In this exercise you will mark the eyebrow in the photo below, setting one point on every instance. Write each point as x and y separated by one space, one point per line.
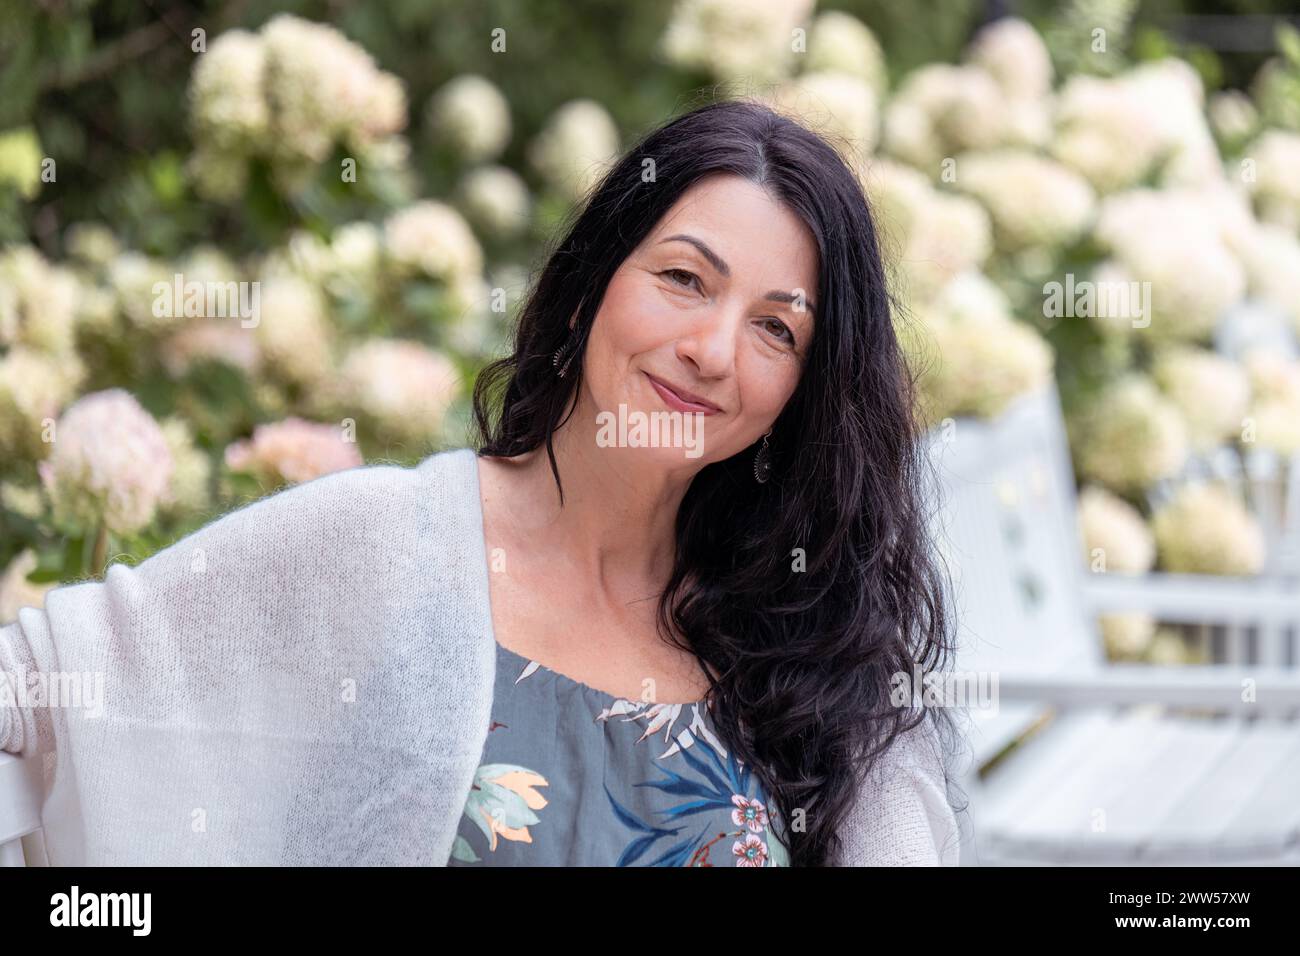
715 260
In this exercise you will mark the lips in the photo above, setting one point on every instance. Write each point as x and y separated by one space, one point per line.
680 399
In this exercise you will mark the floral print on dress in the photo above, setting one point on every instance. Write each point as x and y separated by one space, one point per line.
627 783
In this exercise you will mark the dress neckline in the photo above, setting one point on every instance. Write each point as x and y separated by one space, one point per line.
567 681
473 461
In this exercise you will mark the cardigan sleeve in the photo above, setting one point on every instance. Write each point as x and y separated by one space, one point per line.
230 588
902 816
224 730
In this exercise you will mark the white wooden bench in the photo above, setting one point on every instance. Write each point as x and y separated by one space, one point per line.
1114 764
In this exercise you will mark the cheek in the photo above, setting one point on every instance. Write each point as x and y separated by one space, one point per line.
632 318
766 391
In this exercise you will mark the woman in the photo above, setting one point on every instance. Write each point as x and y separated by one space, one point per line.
444 663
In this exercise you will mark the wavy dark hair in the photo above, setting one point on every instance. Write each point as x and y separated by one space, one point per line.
804 657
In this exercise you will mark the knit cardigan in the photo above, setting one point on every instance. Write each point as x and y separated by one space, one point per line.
308 680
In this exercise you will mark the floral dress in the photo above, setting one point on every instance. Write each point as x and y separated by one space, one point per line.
572 776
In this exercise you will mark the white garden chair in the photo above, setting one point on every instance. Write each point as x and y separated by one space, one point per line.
1113 764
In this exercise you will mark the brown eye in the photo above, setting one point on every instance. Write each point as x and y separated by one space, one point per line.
782 330
676 274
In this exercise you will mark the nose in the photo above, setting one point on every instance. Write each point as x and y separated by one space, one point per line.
710 343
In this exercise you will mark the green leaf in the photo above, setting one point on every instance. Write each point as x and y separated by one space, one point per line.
1288 41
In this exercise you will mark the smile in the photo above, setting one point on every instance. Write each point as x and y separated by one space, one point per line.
677 403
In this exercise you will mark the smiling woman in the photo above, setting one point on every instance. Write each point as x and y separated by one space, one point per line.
740 280
448 662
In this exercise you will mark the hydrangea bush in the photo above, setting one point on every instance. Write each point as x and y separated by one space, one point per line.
372 236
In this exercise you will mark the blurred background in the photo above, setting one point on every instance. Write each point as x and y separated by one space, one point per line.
387 176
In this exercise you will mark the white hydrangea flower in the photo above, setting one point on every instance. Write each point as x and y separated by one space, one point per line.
1170 649
1033 201
974 359
356 252
578 146
110 463
188 491
930 237
1174 101
735 39
474 329
290 93
897 193
92 243
1272 376
1272 261
1116 539
1275 187
952 236
432 238
1127 637
323 88
963 106
228 107
840 42
1131 437
838 106
403 387
294 335
133 278
1176 243
1273 419
1013 53
973 295
1232 114
1212 393
470 113
1103 132
16 591
907 134
1205 529
34 388
38 301
497 199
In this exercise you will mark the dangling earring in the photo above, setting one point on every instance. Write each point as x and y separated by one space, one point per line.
562 370
763 462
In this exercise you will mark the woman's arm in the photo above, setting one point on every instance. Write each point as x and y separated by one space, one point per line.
253 677
902 816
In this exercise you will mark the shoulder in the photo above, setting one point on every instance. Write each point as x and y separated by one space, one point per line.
902 815
368 502
356 530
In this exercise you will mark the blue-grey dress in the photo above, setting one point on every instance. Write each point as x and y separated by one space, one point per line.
572 776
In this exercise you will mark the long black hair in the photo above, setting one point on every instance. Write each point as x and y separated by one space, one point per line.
809 592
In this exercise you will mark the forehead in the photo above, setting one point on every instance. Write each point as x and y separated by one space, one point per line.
756 235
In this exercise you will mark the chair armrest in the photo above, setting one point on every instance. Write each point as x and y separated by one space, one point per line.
20 797
1195 598
1207 686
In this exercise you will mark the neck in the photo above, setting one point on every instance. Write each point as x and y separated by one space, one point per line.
616 527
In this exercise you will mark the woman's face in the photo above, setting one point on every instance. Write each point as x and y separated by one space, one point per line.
717 301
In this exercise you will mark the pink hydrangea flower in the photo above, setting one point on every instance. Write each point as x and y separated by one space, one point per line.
110 463
293 450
